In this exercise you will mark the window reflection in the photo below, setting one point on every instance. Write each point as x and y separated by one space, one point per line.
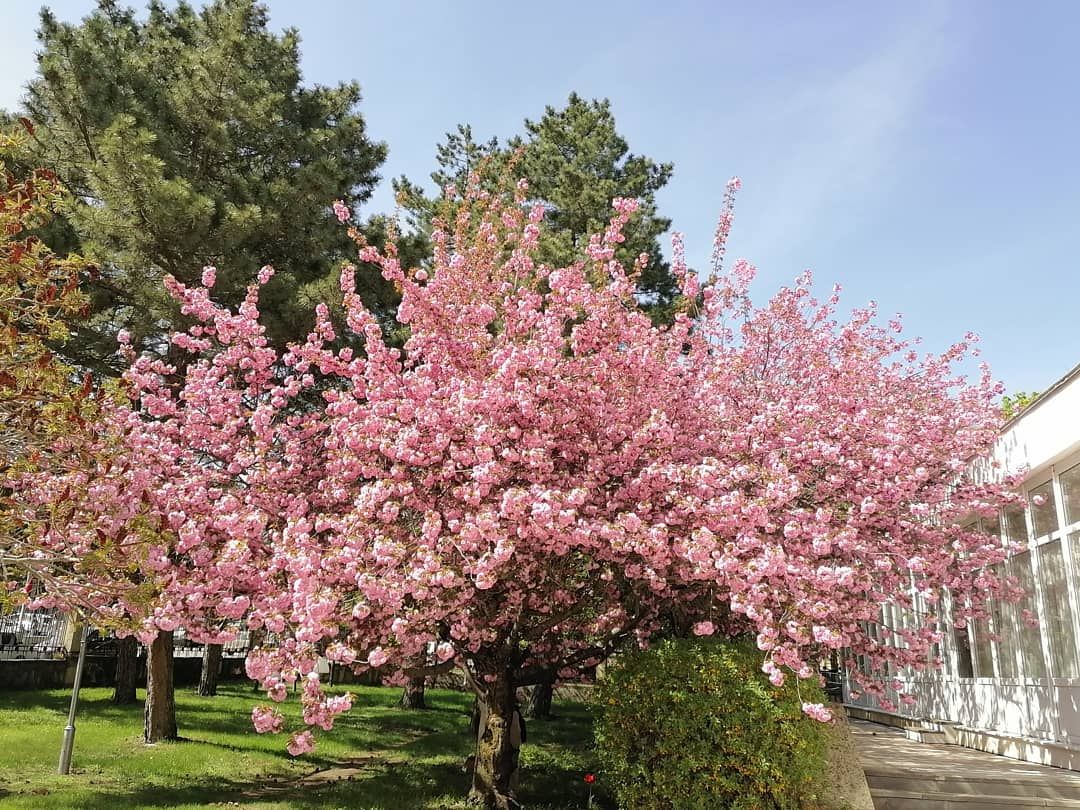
1070 493
1005 626
983 657
1044 509
1016 524
1059 626
1030 637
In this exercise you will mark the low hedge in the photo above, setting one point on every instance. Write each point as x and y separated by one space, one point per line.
695 725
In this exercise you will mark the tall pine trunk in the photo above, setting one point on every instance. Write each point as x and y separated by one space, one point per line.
412 697
539 705
498 745
127 664
211 668
159 719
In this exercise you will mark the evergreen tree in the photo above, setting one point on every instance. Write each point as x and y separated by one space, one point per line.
189 140
576 163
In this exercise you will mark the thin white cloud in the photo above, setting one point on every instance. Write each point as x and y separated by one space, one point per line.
836 137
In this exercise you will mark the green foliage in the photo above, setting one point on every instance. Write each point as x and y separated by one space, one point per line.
695 725
41 403
188 139
1013 404
576 162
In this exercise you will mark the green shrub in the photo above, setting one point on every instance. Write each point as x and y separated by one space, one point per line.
695 725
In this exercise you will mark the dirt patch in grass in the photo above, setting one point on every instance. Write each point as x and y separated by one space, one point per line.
361 765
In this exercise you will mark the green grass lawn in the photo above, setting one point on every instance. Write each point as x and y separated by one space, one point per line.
397 759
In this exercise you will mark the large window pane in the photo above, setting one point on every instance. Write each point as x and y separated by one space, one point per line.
1074 549
983 660
1044 509
965 665
1070 493
1059 626
1004 616
1016 523
1030 637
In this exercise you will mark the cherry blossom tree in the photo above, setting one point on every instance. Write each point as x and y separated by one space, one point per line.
541 476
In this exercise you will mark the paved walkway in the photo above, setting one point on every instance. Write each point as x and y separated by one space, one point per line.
932 776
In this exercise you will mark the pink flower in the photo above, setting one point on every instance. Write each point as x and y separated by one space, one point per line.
301 743
825 635
341 211
123 337
167 623
1038 500
277 691
377 657
704 629
266 719
817 711
209 276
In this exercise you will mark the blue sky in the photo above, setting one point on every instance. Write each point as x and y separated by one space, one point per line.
920 154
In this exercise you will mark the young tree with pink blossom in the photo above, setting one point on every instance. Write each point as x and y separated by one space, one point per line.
541 475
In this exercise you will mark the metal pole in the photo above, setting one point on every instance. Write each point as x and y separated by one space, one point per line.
69 729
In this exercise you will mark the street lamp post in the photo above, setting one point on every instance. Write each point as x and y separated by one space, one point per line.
69 729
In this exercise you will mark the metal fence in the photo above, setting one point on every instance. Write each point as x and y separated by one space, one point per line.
33 633
184 647
29 634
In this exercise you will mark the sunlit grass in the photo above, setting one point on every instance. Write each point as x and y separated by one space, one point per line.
399 759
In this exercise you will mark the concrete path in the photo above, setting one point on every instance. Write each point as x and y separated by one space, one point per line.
908 775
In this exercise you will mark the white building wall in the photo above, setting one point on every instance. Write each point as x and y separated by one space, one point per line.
1046 432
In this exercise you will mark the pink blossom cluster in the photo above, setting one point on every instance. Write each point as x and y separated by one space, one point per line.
817 711
540 474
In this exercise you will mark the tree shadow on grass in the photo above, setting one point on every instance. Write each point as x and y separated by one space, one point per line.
205 792
276 752
23 700
91 706
18 699
393 758
397 785
424 774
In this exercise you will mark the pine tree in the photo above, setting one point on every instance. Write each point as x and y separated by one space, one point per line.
576 163
189 139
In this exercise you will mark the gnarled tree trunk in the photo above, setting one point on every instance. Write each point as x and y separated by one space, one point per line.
412 697
127 664
539 705
159 719
211 668
498 744
474 717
